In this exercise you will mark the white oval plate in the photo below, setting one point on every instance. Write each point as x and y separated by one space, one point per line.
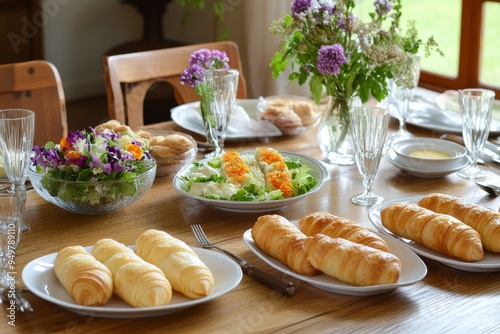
40 279
424 173
413 270
491 261
318 171
241 127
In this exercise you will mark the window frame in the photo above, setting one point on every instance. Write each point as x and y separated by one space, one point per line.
470 53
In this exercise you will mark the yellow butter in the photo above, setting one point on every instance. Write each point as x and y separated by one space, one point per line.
429 154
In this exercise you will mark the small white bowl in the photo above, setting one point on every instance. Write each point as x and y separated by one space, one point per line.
429 153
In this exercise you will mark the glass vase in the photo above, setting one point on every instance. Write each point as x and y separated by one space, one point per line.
334 134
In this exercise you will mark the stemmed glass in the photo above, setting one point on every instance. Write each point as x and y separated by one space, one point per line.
221 88
400 97
17 128
369 130
476 109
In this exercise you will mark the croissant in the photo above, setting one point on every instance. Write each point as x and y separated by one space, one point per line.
485 221
441 233
87 280
137 282
180 264
279 238
351 262
337 227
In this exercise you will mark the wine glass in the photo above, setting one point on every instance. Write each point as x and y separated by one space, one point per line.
17 129
400 97
221 89
476 109
369 129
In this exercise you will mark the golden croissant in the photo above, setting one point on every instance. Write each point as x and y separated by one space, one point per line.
136 281
183 268
87 280
279 238
485 221
337 227
439 232
351 262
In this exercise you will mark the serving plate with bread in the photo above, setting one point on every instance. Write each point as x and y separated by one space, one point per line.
334 254
40 278
243 124
473 254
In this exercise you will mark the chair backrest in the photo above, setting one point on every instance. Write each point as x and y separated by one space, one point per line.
36 85
129 76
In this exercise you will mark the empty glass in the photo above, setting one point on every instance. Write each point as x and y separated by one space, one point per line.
221 89
369 130
400 98
11 211
17 129
476 109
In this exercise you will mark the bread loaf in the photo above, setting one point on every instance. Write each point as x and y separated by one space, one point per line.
279 238
439 232
351 262
87 280
485 221
182 267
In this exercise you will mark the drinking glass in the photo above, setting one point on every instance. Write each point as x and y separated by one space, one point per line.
221 88
476 109
11 211
17 129
400 98
369 130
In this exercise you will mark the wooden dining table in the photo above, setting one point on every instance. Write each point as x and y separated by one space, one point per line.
446 300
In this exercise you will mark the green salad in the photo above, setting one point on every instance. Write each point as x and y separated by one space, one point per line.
263 176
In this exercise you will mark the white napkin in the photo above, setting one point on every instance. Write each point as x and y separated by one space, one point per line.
242 125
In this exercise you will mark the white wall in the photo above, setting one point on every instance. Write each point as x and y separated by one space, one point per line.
79 33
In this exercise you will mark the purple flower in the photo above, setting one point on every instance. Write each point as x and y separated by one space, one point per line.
382 7
330 58
193 75
200 61
344 23
300 6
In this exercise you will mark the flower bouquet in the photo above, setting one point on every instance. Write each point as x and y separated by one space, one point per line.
341 56
93 171
209 73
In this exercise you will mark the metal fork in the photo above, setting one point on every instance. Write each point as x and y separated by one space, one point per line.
285 287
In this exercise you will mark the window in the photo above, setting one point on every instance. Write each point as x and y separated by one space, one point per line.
467 31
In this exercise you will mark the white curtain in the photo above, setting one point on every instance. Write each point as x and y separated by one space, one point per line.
261 46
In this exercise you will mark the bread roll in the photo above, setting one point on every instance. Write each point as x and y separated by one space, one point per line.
439 232
337 227
279 238
351 262
183 268
485 221
137 282
87 280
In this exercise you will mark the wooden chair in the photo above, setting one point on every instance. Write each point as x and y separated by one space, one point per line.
129 76
36 85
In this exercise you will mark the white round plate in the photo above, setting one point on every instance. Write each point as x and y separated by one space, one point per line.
243 126
413 270
491 261
424 173
40 279
318 171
